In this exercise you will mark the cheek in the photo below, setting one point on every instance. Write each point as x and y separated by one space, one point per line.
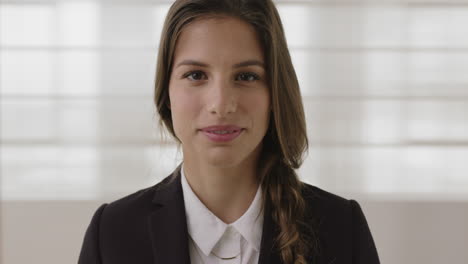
263 101
183 106
259 106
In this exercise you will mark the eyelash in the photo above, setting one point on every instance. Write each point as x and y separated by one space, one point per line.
250 74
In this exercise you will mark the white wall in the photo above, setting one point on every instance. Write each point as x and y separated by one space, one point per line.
385 88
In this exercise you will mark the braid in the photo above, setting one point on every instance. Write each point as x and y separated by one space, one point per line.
283 190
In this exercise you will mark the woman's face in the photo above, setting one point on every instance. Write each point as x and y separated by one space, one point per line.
218 92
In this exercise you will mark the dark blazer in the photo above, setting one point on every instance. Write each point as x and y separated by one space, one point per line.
149 227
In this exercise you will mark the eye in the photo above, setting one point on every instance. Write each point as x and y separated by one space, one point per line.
194 75
248 76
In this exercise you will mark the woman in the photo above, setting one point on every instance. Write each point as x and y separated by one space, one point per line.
228 93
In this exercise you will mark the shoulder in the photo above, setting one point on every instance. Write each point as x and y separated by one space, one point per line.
119 225
326 205
340 225
139 201
314 192
130 210
329 214
319 199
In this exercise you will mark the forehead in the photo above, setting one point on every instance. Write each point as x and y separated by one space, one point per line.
218 39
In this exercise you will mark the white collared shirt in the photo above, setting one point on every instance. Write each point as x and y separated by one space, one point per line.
210 236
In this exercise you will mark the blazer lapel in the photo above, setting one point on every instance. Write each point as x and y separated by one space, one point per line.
168 224
268 252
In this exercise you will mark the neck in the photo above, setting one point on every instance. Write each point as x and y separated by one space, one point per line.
226 192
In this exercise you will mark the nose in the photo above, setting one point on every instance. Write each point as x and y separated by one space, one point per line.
222 98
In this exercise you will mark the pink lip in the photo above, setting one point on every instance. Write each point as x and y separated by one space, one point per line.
209 132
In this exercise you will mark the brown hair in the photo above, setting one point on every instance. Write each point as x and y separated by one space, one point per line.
286 139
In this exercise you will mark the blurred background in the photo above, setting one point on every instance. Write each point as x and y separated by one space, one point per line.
385 87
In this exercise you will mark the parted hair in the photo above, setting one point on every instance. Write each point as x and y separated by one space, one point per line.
285 142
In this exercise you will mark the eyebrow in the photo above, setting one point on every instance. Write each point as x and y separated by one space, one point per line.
237 65
249 63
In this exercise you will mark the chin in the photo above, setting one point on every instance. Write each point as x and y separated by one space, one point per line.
231 157
223 160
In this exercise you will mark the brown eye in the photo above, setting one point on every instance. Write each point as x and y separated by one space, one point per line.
194 75
248 76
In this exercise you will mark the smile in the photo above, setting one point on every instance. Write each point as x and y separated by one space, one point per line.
222 133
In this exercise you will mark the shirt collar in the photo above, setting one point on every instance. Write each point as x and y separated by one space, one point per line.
206 229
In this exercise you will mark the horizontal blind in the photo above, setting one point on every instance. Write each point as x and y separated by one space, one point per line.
384 86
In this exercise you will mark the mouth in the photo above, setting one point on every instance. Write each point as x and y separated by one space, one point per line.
222 129
222 133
